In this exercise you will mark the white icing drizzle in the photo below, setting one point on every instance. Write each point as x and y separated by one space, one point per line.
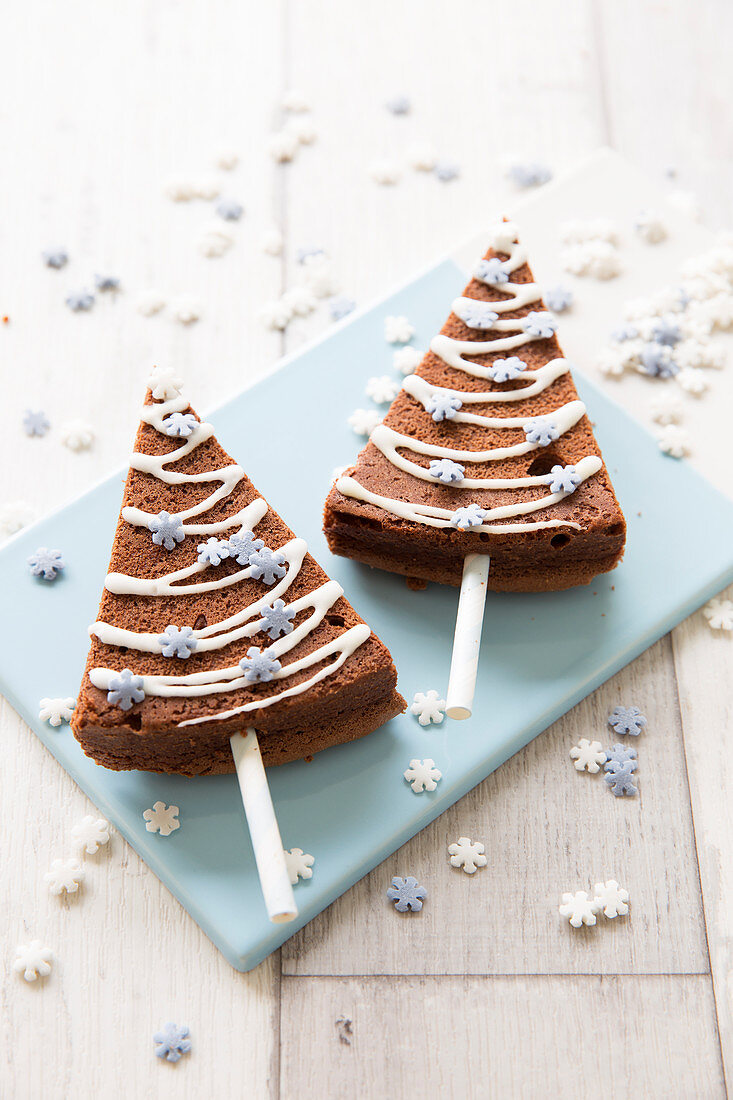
451 351
245 622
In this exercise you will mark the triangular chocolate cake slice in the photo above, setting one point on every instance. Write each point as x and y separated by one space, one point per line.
487 449
214 618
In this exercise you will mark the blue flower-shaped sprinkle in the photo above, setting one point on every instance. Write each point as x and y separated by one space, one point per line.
446 170
340 307
627 720
229 209
443 406
167 530
624 332
171 1042
258 666
180 425
657 361
476 314
35 423
309 252
125 689
267 566
46 563
559 298
541 431
564 479
620 779
55 257
539 324
470 516
106 283
178 642
406 894
665 330
445 470
79 300
398 105
213 551
530 174
506 370
278 619
618 757
492 271
242 546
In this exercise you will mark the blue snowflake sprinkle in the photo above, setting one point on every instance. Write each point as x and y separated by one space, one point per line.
35 423
79 300
506 370
657 361
55 257
398 105
167 530
442 405
564 479
624 332
406 894
46 563
620 779
177 642
445 470
309 252
470 516
106 283
278 619
125 689
180 424
627 720
541 431
559 298
618 757
258 666
530 174
213 551
683 297
492 271
446 170
171 1042
266 566
665 330
340 308
475 314
242 546
542 325
229 209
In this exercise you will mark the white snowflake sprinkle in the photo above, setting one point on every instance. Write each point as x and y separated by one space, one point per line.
422 156
299 864
206 187
295 101
56 711
596 258
666 409
227 159
319 276
282 146
150 302
610 899
65 876
692 381
303 130
91 833
407 360
162 819
685 202
276 314
719 613
77 435
673 440
612 362
694 354
14 516
213 240
382 390
33 960
164 383
588 755
364 421
299 300
186 309
422 775
272 241
428 707
398 330
651 227
468 854
179 189
579 908
385 172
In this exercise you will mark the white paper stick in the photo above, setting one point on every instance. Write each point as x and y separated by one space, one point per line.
263 828
467 639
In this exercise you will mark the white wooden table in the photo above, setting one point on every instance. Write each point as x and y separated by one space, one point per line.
100 104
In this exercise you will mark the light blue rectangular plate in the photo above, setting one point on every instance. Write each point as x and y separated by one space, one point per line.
351 807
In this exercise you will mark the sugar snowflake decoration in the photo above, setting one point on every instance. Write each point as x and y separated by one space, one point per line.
14 516
295 101
619 757
444 469
506 370
364 421
443 405
494 272
651 227
272 242
398 330
79 301
229 209
541 431
300 300
299 865
666 330
422 775
309 252
619 778
77 435
341 307
214 240
242 546
667 409
278 619
595 258
529 173
611 899
428 707
693 381
56 711
588 755
406 360
385 172
258 666
656 361
627 720
719 614
171 1042
91 833
107 284
33 960
467 854
302 129
186 309
65 876
579 908
383 390
150 302
179 189
55 257
282 146
125 689
470 516
539 324
398 105
422 156
167 530
564 479
177 642
266 565
162 819
446 170
46 563
475 314
406 894
164 383
180 425
612 362
559 298
35 423
319 276
213 552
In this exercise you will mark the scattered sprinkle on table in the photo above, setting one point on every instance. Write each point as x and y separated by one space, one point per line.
65 876
171 1042
162 819
406 894
398 330
619 778
150 302
719 613
529 173
422 775
651 227
15 515
619 755
90 833
229 209
383 390
467 854
56 711
341 307
627 720
33 960
79 301
364 421
611 899
673 441
398 105
227 159
406 360
35 423
428 707
385 172
214 241
282 146
186 309
77 435
559 298
299 865
595 258
446 170
56 258
588 755
422 156
272 241
578 908
295 101
106 283
46 563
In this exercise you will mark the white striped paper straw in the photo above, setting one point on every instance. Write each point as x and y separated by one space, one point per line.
263 828
467 638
